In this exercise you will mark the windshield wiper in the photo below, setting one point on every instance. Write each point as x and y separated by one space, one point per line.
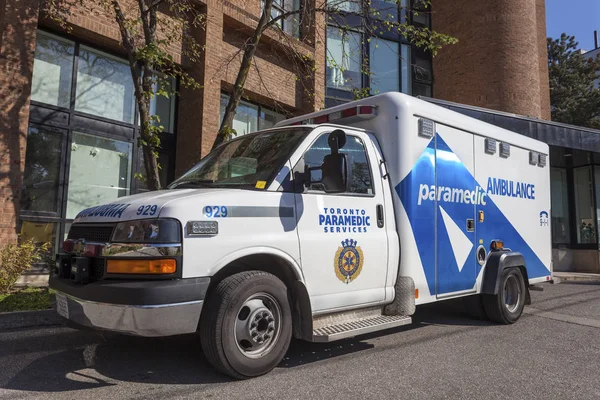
195 183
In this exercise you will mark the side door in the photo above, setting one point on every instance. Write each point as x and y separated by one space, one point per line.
344 253
456 200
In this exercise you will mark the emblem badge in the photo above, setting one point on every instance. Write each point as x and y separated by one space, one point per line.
348 261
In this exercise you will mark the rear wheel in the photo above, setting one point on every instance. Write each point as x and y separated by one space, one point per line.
247 324
507 306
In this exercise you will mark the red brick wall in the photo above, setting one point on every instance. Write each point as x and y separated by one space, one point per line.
18 25
273 80
498 62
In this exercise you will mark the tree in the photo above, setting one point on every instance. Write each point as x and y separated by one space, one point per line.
148 28
574 98
373 21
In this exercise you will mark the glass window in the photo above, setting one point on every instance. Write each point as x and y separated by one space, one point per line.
560 205
558 156
359 173
42 170
406 69
584 205
291 24
104 86
384 65
419 89
246 116
422 67
99 172
345 6
421 13
52 70
344 59
252 161
164 107
269 118
385 9
41 232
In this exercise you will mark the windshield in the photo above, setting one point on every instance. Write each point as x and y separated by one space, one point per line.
250 161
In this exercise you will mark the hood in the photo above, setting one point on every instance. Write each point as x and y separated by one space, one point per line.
139 206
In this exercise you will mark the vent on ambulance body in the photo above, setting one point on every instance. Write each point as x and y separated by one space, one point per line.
348 115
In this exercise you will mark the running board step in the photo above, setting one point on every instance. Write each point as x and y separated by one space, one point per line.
360 327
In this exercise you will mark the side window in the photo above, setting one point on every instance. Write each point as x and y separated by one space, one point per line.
359 173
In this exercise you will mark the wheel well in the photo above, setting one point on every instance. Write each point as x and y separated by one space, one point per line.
297 293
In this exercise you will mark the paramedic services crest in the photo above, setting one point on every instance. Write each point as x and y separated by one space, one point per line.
348 261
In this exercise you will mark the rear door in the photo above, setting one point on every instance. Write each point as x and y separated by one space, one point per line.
456 197
344 252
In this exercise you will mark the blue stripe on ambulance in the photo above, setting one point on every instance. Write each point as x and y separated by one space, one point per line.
452 173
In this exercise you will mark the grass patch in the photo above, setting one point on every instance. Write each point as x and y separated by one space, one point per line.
27 299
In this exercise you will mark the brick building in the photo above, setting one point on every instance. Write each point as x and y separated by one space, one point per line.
68 121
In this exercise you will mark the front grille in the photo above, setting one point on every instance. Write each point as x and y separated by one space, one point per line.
97 269
90 233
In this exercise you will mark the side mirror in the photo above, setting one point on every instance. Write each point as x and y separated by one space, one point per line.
334 169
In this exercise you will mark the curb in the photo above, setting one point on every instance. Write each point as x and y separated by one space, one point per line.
29 319
593 279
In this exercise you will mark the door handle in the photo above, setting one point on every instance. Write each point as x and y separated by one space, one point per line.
379 216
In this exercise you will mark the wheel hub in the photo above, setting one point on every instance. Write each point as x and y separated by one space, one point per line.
257 325
512 294
262 325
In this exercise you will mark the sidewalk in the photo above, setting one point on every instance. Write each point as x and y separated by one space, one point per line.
576 276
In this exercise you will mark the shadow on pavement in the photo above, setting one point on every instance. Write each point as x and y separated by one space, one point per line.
450 313
94 361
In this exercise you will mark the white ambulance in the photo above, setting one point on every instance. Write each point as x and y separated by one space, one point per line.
327 226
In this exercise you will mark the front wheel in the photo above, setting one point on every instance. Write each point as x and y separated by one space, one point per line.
507 306
246 326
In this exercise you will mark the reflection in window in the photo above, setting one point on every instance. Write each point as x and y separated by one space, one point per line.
164 107
584 205
384 65
40 232
52 70
269 118
290 24
385 9
560 206
248 119
344 59
406 69
99 172
359 174
42 170
104 86
353 6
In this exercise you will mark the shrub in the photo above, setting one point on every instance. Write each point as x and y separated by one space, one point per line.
18 258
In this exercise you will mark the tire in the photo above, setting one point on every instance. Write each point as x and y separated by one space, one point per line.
246 326
507 306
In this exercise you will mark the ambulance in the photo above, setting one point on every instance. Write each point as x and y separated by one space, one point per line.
327 226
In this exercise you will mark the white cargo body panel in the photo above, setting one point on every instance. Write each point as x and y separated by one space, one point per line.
454 192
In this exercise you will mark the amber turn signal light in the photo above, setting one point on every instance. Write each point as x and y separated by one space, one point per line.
497 245
148 267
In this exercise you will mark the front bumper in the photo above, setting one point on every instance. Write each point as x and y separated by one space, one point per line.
142 308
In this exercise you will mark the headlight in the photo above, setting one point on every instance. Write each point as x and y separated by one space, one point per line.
148 231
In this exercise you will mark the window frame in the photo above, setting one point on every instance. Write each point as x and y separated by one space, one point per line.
354 23
67 120
260 109
300 164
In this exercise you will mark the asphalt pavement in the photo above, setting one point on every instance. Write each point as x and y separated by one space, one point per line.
553 352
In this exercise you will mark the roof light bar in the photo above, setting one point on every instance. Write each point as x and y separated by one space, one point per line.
348 115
